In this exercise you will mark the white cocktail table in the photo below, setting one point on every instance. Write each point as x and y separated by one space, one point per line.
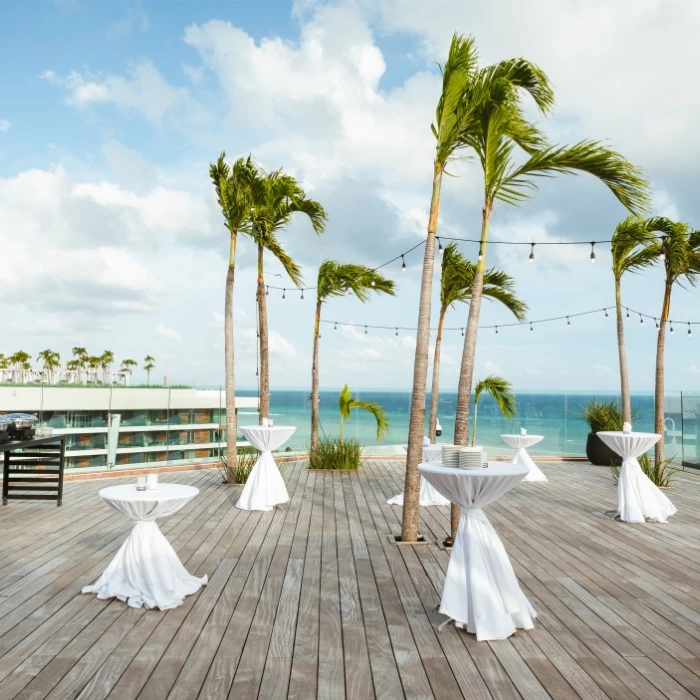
481 591
265 487
428 495
146 571
638 499
521 443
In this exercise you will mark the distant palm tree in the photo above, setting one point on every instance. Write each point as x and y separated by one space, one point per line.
51 362
232 186
452 119
347 403
127 367
337 280
20 362
148 364
106 360
275 198
456 284
81 355
633 249
499 129
74 366
4 364
501 391
680 248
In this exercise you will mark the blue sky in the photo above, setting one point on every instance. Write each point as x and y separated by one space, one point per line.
109 121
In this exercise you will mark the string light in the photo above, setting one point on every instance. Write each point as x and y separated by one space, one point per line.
606 313
531 328
662 254
481 252
403 264
302 295
267 292
284 293
532 253
373 283
671 327
365 330
568 321
397 332
462 332
641 320
592 251
656 322
439 246
496 330
335 328
690 333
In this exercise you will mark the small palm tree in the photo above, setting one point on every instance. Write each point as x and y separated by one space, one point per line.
128 366
275 198
81 355
74 366
21 365
680 248
231 184
51 362
94 362
149 363
338 280
347 403
106 360
456 285
633 249
500 391
4 364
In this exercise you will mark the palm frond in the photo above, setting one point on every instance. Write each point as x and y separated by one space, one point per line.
337 280
377 411
344 402
291 267
500 390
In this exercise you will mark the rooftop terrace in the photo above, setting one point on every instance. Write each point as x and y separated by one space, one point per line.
313 600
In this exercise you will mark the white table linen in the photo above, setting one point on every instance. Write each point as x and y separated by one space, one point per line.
638 498
481 591
265 487
520 443
428 495
146 571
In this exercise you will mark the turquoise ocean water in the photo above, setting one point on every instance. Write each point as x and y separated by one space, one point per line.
557 416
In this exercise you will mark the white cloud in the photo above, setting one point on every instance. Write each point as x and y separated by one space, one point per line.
166 332
4 125
490 367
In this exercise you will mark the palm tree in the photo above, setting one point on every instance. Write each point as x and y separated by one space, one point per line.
81 355
275 198
456 283
498 130
4 364
51 362
127 367
20 363
633 249
232 186
452 118
94 362
347 403
149 363
74 366
680 248
502 393
337 280
106 359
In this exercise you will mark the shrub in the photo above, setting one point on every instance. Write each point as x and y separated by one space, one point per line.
660 474
602 415
334 453
241 471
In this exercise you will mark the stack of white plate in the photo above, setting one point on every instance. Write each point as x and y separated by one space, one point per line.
450 455
471 458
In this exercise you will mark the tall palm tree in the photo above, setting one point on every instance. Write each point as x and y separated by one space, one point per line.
337 280
94 362
501 391
21 365
633 249
106 360
4 364
452 119
275 198
680 248
149 363
456 284
81 355
499 130
347 403
51 362
128 366
231 184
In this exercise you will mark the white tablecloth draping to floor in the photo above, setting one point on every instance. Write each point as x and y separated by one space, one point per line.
428 495
521 443
481 591
265 487
637 497
146 571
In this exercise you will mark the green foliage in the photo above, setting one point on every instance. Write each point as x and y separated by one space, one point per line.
337 280
335 453
634 244
347 402
500 390
239 473
660 474
602 415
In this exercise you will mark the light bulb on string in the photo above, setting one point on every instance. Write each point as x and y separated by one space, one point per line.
690 333
606 313
531 328
403 264
592 252
662 254
284 293
481 253
496 330
462 332
439 246
628 313
365 330
568 321
373 283
397 332
302 295
335 327
671 322
656 322
532 253
641 320
267 291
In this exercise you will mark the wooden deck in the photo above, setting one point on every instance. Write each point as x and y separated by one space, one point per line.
314 601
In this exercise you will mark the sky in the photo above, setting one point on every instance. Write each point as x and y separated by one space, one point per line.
110 113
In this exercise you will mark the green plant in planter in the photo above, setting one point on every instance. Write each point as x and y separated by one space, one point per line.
239 473
602 415
660 474
334 453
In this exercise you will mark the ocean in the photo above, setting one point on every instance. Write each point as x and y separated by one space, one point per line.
557 416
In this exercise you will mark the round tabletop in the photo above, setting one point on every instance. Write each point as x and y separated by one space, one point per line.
163 492
494 469
520 440
628 445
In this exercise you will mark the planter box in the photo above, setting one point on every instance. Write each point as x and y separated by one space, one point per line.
600 454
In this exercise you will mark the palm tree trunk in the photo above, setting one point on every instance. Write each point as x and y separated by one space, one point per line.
416 426
659 383
622 351
264 407
435 389
466 372
231 427
476 410
314 379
